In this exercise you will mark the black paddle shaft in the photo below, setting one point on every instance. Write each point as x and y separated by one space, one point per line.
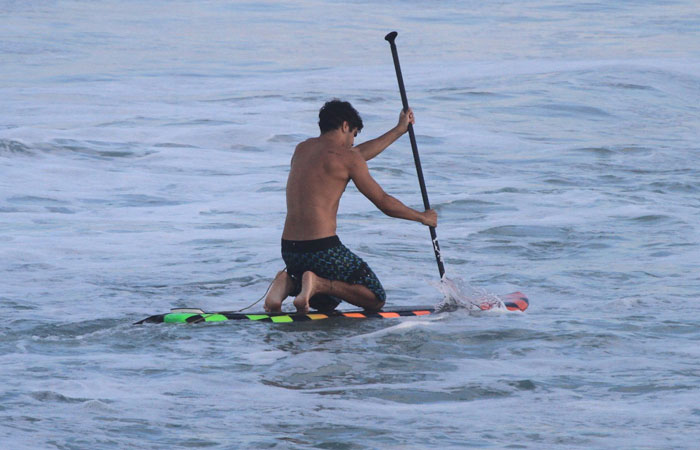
391 37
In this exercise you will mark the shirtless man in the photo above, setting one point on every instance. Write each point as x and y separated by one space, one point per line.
319 268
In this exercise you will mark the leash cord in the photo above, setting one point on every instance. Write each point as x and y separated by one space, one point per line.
260 299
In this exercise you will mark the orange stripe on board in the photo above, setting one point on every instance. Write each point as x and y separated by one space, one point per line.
389 314
355 315
421 313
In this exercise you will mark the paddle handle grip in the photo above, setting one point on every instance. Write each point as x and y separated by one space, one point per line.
391 38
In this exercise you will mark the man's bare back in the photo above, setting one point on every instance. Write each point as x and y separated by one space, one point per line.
317 179
320 171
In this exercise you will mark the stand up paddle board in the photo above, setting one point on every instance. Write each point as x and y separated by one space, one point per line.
516 301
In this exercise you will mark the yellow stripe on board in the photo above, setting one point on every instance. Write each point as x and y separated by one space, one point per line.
317 316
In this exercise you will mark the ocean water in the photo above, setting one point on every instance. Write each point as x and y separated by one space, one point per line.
144 148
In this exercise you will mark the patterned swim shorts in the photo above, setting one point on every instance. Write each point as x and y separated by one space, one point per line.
330 259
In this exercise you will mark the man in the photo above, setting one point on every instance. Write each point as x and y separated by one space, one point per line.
319 268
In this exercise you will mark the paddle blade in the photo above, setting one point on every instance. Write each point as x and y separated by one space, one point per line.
460 295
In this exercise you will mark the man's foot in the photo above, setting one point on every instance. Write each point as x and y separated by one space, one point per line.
272 305
279 290
309 287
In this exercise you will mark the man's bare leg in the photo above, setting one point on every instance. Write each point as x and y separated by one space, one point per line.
355 294
280 289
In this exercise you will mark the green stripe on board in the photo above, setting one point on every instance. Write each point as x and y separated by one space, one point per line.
279 319
257 316
177 318
215 318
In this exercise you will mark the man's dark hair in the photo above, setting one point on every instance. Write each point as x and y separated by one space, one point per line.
334 113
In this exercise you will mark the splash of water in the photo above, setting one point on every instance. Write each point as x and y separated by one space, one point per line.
458 294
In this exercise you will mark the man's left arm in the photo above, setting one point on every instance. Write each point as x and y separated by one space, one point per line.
372 148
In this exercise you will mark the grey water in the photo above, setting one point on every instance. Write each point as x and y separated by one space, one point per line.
144 148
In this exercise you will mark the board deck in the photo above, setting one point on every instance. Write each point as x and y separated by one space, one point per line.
516 301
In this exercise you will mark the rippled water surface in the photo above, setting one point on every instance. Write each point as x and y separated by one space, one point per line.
144 148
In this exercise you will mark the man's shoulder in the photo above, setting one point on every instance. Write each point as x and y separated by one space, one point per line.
355 156
349 158
355 162
307 143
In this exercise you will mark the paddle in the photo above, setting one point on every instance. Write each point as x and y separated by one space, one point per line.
391 37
